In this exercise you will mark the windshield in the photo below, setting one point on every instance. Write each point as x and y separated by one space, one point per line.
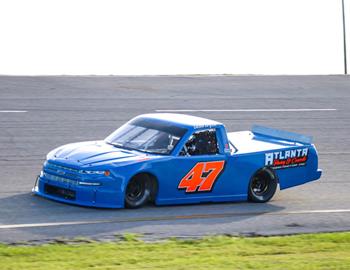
147 135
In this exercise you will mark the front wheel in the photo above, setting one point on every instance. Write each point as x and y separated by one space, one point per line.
138 191
262 186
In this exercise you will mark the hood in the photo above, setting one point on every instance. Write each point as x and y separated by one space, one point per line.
88 153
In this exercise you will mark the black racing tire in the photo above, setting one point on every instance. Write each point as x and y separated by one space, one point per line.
138 191
262 186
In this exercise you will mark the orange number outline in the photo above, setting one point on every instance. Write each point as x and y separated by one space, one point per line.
202 176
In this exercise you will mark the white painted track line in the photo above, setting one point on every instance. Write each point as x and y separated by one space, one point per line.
143 219
246 110
13 111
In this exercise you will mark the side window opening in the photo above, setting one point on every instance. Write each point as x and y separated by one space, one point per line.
202 142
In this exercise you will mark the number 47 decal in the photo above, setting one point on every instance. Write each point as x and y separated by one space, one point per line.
202 176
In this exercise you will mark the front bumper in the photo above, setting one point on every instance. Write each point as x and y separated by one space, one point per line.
78 195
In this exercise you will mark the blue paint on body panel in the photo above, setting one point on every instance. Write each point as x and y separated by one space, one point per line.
76 173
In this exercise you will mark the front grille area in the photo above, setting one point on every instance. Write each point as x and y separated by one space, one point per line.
56 167
60 179
60 192
62 174
67 172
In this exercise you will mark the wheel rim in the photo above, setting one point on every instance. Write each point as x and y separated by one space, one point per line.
135 190
259 185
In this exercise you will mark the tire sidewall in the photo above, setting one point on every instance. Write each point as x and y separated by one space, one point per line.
145 196
272 187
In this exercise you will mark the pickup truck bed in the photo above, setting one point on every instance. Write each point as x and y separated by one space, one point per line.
249 142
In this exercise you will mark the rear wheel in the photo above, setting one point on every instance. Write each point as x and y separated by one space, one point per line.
262 186
138 191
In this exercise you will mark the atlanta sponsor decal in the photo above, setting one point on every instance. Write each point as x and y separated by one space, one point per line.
286 158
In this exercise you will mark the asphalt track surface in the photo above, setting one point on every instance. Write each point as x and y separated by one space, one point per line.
61 110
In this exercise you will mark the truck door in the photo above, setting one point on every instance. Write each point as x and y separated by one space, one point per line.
198 172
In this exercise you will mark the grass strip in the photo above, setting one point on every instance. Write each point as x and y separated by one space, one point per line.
307 251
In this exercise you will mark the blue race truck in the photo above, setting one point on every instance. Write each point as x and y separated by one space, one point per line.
177 159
